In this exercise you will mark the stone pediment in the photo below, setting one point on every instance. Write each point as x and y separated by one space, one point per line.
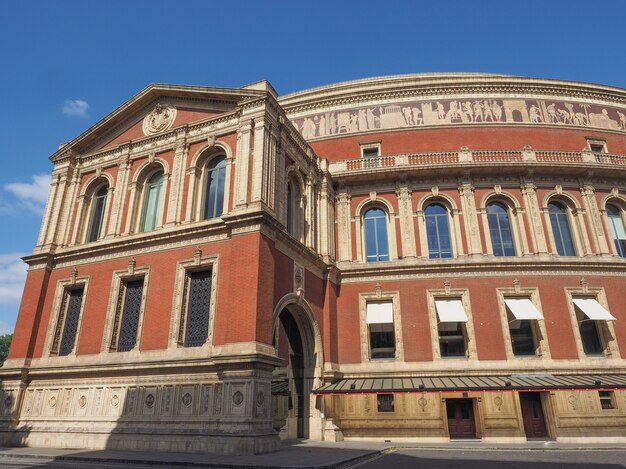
158 109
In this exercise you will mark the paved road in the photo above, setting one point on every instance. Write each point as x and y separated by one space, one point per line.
480 459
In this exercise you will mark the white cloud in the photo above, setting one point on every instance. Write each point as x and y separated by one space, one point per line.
76 107
12 277
32 196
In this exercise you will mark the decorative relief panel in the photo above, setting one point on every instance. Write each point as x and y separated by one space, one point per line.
461 111
159 120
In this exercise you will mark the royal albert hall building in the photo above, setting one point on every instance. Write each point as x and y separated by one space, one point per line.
408 258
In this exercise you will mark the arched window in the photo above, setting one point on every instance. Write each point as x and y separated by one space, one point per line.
561 229
294 209
617 229
500 230
215 176
96 217
375 227
438 232
152 203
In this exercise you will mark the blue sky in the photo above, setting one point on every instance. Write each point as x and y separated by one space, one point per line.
67 64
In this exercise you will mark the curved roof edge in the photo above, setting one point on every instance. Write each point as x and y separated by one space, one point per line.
424 80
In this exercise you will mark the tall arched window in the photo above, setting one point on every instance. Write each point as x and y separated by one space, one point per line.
500 230
294 209
561 229
152 203
215 176
438 232
96 217
617 229
375 228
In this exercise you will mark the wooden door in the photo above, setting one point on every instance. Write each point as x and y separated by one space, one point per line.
461 418
532 414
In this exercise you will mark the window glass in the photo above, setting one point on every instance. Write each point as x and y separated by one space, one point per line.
617 229
382 341
452 339
214 188
500 230
522 339
198 306
152 202
384 402
589 334
438 232
606 400
294 210
98 204
67 324
375 228
129 323
561 229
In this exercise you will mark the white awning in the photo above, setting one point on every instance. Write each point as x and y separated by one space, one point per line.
593 310
450 311
523 308
379 313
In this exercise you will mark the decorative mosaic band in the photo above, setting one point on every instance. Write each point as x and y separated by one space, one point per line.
461 111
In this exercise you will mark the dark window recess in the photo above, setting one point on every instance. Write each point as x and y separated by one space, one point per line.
130 316
371 152
382 341
70 328
606 399
385 402
452 339
597 147
589 334
197 318
522 338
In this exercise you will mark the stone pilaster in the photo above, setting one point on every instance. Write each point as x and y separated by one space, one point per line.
119 196
591 206
468 205
407 230
175 203
538 237
244 139
344 234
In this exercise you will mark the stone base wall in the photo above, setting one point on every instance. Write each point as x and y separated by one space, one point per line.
226 412
574 416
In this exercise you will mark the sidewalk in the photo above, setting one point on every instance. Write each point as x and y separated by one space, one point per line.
293 454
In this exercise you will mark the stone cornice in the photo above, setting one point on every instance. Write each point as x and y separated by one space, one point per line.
442 84
482 266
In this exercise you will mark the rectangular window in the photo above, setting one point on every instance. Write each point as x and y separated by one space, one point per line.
521 316
607 399
597 145
381 330
385 402
451 327
67 323
127 315
371 152
194 324
591 316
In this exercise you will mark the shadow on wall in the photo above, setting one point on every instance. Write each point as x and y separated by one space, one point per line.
10 433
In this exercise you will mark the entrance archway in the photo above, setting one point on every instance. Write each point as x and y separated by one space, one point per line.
298 343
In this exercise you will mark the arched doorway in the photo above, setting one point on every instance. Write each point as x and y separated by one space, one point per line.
297 341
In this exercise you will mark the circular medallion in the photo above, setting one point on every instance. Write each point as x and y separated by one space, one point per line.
52 401
260 398
187 399
159 120
238 398
149 401
115 400
82 401
422 403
